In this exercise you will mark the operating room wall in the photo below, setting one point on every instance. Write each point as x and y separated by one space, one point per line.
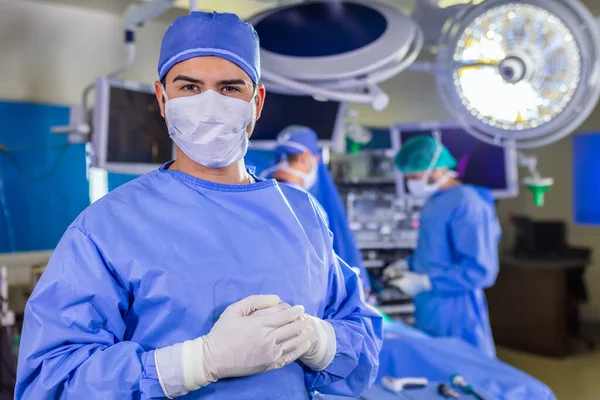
556 161
50 52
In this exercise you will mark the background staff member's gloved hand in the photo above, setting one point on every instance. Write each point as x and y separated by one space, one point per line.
412 283
239 344
395 270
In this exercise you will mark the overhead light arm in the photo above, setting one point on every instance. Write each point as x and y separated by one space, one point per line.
137 15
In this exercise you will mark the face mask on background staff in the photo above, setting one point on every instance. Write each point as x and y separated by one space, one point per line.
420 188
308 179
209 128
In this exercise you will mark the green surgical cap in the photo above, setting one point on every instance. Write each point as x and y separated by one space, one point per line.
417 153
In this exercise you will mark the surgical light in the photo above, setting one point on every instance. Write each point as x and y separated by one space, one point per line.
522 73
336 50
452 3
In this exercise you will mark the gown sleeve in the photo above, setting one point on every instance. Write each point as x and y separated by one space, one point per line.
73 335
358 331
474 232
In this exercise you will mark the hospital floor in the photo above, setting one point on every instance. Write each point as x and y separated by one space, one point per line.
576 377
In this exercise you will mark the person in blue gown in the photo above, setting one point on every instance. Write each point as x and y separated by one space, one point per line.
299 164
456 257
198 280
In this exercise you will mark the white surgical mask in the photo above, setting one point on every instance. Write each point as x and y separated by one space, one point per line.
422 188
308 179
209 128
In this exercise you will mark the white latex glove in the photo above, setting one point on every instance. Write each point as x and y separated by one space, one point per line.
239 344
323 344
395 270
282 305
321 336
412 283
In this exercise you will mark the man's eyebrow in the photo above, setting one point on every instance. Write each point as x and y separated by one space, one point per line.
187 79
232 82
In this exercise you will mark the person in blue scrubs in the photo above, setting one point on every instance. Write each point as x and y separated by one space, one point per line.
298 158
456 257
197 280
299 165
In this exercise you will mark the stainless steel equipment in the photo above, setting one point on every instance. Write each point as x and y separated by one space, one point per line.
385 227
380 221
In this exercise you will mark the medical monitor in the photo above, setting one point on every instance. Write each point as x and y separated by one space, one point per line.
479 163
281 111
586 169
129 134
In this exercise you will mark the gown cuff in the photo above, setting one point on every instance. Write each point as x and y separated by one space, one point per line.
169 368
325 353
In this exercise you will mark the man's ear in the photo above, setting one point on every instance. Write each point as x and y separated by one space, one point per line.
436 174
158 89
260 99
305 156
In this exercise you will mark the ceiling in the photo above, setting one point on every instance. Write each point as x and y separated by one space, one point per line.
244 8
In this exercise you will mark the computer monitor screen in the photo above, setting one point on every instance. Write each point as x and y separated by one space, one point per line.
281 111
479 163
586 169
130 135
137 131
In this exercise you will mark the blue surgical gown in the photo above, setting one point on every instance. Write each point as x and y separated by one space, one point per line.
349 244
458 249
330 203
156 262
316 203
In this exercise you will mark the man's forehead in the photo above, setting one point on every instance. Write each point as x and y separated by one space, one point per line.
209 68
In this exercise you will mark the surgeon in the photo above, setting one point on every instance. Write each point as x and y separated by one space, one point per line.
298 157
198 280
456 257
299 165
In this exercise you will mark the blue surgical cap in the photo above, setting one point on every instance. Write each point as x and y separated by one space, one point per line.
418 152
211 34
296 139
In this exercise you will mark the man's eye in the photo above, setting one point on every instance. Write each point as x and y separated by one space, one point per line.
230 89
190 87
